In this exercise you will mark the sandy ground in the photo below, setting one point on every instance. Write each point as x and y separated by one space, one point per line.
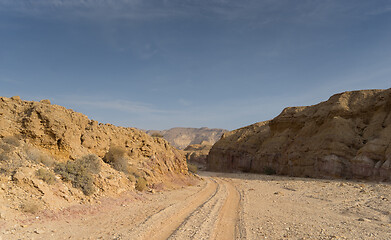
226 206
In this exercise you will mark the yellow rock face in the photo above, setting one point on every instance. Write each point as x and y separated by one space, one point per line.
35 135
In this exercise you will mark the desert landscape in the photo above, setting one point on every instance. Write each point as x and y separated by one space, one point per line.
64 176
195 119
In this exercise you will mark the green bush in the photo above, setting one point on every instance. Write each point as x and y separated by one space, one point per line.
117 158
192 167
141 184
46 175
269 171
79 172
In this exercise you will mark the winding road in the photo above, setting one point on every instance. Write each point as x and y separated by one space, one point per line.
211 213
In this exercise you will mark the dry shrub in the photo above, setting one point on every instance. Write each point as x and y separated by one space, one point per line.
79 172
6 148
157 135
141 184
10 162
117 158
269 171
192 167
30 207
38 156
46 175
91 162
12 140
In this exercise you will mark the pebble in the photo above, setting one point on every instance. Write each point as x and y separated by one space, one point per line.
39 231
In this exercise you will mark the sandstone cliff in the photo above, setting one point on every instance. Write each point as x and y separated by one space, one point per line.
182 137
347 136
46 152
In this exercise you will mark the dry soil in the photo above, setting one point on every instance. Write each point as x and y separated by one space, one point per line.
226 206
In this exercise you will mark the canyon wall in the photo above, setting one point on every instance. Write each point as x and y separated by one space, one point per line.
347 136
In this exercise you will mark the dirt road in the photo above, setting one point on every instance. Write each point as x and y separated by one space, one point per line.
227 206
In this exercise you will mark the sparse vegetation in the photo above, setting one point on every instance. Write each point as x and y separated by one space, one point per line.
5 147
141 184
192 167
91 162
269 171
12 140
30 207
117 158
46 175
79 172
157 135
38 156
9 163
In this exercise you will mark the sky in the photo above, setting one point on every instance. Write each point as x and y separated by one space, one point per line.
191 63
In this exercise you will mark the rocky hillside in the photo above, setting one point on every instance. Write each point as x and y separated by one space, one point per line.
347 136
182 137
197 154
54 156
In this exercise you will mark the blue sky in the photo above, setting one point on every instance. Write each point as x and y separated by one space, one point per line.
215 63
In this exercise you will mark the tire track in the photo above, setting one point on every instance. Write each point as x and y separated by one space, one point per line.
200 223
162 224
215 219
227 225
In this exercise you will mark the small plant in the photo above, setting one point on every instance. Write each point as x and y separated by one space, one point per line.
90 162
117 158
192 167
9 163
39 157
141 184
46 175
5 147
269 171
30 207
12 140
79 172
157 135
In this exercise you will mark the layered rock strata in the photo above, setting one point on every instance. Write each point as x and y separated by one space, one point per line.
347 136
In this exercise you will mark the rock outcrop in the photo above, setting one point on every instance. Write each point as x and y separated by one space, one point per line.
348 136
197 154
182 137
39 135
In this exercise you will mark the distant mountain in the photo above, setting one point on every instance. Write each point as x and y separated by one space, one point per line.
182 137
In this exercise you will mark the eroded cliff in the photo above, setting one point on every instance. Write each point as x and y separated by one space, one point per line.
55 156
348 135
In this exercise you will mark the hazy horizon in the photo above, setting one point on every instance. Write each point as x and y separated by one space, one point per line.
216 64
